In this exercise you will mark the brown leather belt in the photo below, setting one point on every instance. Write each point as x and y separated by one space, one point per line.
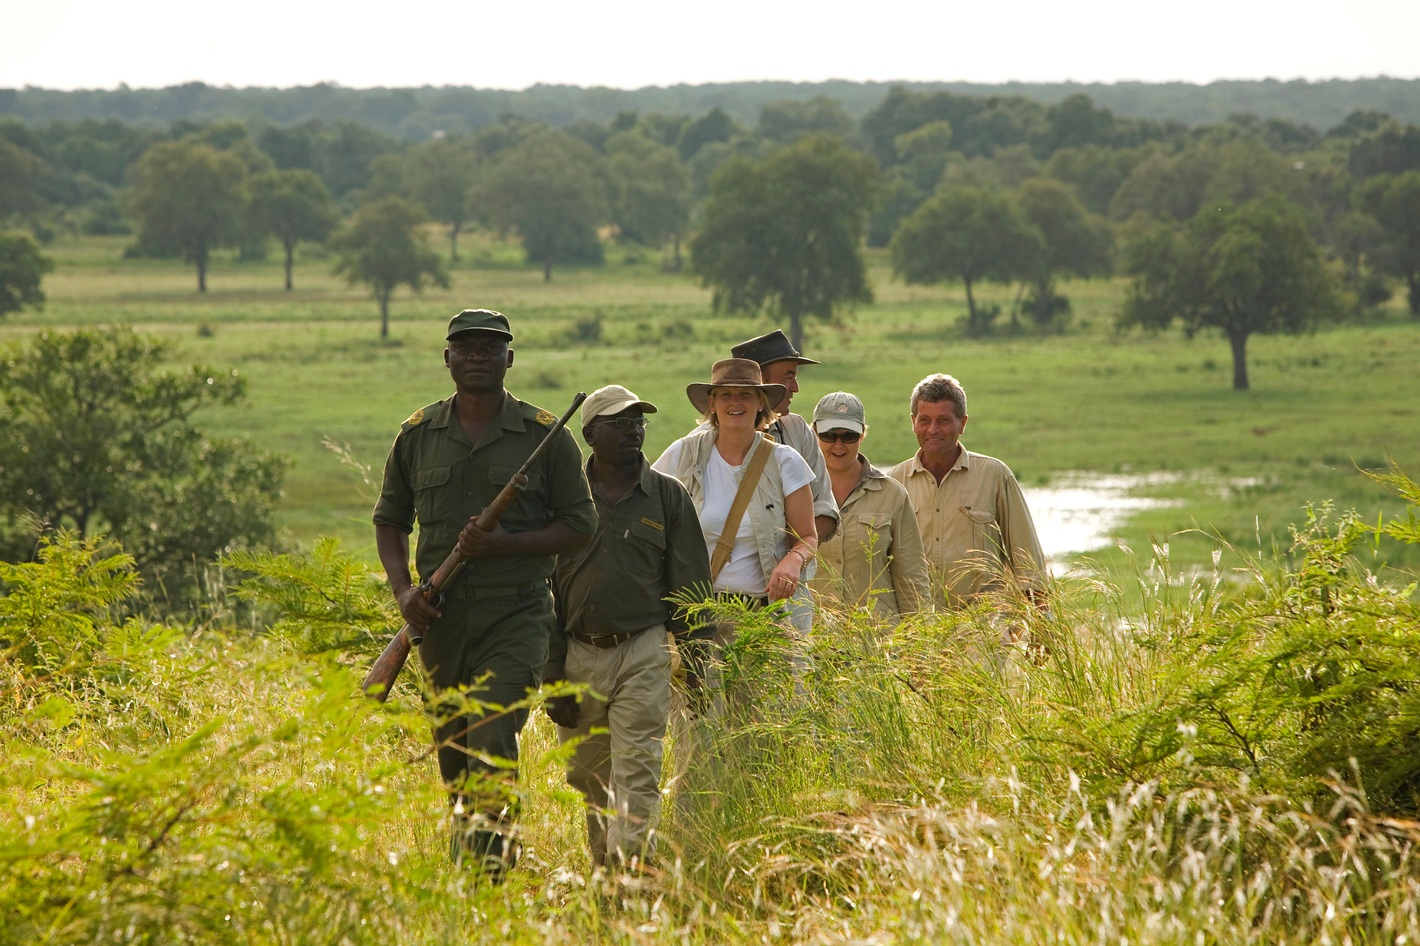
604 641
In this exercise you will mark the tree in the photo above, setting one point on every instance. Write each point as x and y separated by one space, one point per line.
381 247
20 174
441 176
651 187
1394 200
788 121
971 234
786 231
291 206
22 266
548 187
188 197
96 436
1075 243
1242 270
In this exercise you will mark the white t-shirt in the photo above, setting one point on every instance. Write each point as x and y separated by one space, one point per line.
743 573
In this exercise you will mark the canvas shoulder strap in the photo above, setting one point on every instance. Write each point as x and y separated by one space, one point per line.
759 456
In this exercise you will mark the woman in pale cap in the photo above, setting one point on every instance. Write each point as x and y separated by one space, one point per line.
875 559
775 537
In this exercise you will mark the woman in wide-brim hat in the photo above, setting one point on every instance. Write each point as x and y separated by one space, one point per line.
775 538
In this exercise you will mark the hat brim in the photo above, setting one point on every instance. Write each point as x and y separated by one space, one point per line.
837 423
797 359
479 330
699 392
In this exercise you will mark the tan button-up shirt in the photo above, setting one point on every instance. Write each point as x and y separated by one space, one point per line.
876 554
975 525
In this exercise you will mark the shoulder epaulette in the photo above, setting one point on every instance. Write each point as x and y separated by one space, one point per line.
419 416
537 414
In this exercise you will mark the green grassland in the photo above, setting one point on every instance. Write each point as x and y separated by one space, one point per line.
1095 400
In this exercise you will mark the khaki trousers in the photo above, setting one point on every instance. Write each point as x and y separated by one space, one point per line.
618 770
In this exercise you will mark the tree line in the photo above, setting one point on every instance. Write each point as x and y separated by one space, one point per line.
413 114
959 189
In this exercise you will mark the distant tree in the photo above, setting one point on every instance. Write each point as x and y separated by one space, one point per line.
381 247
549 188
441 175
1394 200
970 234
787 122
96 435
1392 149
188 197
651 191
1074 122
20 174
1076 243
715 125
924 153
291 206
1243 270
1209 173
785 232
22 267
1096 172
343 153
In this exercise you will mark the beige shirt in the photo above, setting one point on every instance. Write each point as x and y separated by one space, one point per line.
975 526
876 554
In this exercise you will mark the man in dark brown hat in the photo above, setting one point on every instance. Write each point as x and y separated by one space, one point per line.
779 363
489 636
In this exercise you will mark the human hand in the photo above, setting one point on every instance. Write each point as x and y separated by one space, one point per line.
784 580
478 543
415 607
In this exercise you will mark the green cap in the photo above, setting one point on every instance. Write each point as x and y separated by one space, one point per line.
479 320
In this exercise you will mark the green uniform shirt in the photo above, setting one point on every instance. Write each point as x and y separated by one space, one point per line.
436 477
647 547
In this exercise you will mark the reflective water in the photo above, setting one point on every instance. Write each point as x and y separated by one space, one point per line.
1077 511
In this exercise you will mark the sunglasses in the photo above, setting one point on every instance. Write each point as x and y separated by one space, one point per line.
622 422
846 436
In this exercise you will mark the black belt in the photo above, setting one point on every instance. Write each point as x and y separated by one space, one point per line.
604 641
749 601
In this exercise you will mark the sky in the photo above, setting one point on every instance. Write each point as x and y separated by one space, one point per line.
73 44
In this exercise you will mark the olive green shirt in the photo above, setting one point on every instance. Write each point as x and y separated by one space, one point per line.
435 477
875 557
648 546
975 525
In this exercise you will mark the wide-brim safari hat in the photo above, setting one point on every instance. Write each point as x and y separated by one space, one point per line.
767 349
732 373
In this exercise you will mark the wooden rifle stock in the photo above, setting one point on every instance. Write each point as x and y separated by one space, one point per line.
386 668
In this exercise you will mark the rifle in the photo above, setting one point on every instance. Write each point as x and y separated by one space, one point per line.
387 666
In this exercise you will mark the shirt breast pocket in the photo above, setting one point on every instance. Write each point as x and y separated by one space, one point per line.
529 508
645 551
985 533
874 532
432 500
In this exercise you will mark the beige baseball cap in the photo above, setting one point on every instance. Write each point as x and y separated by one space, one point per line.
612 399
839 411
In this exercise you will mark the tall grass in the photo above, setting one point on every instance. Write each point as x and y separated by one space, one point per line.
1231 763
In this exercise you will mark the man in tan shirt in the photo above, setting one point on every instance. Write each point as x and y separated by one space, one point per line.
976 529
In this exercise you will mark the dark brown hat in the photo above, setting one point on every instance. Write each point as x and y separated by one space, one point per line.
772 347
732 373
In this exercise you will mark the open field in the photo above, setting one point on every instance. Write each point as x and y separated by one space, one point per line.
1091 400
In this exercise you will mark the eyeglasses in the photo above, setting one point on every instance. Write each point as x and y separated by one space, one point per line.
834 436
478 349
622 422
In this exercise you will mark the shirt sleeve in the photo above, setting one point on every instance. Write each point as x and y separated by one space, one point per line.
395 507
794 470
687 560
669 461
1018 532
571 496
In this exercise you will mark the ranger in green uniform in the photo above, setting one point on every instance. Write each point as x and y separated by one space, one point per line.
448 462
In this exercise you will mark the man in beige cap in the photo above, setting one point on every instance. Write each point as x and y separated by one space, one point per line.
779 363
976 529
612 607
